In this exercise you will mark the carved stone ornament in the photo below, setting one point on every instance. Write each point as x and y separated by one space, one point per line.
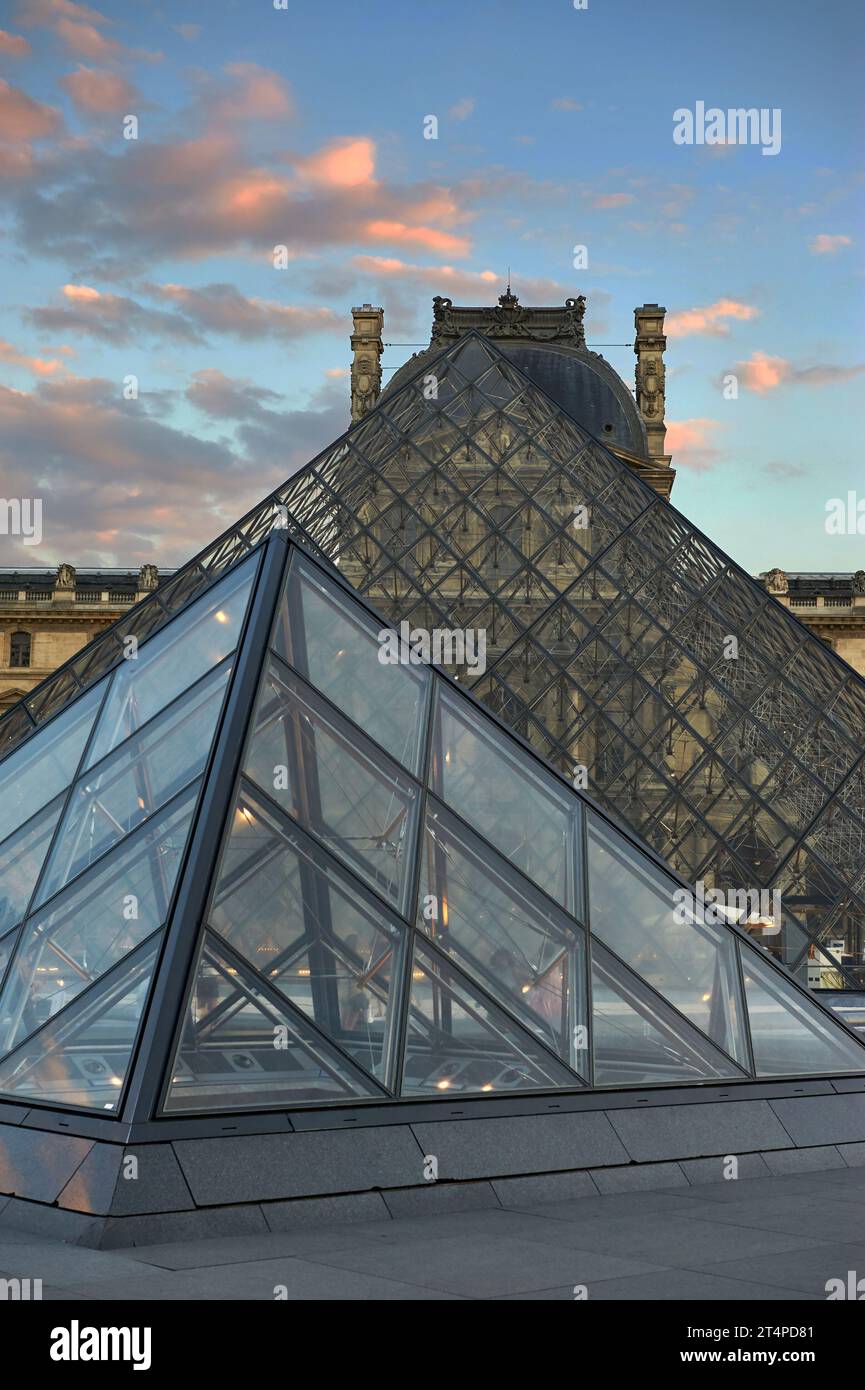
776 582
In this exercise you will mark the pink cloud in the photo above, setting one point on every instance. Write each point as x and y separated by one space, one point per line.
253 93
691 441
762 373
709 320
13 45
22 119
40 366
345 163
98 93
86 40
612 200
428 237
826 245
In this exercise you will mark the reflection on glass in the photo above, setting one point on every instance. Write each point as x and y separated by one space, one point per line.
22 858
133 783
459 1041
689 962
34 774
173 659
637 1039
96 922
335 645
791 1035
81 1057
284 907
244 1048
507 796
504 933
333 782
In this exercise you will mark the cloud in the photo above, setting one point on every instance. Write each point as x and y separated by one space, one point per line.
190 32
98 93
479 286
218 308
612 200
708 320
399 234
111 318
222 308
343 163
107 214
463 109
565 104
13 45
761 373
22 119
691 443
38 365
122 487
251 93
826 245
779 469
228 398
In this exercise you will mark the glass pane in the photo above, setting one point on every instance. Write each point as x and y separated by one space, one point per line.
634 910
134 782
334 643
336 784
790 1034
637 1039
23 856
34 774
305 926
96 922
81 1057
244 1048
507 796
457 1040
173 659
504 933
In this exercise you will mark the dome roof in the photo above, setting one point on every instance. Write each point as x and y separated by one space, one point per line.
548 345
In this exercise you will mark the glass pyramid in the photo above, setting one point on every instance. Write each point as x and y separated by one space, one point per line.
255 867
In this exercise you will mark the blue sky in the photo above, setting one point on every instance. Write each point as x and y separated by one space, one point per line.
304 127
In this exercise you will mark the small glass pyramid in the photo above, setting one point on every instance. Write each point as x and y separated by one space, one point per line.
284 872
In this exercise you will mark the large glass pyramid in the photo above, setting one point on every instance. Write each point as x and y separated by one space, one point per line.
254 867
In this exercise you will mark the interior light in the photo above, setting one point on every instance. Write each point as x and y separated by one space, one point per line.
707 997
417 974
115 1081
488 1087
220 616
524 989
443 1085
448 756
141 803
304 971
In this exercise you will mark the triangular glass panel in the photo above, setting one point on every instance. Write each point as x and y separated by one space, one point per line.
336 783
33 774
311 931
337 648
458 1040
504 934
82 1056
23 856
97 921
657 929
171 661
243 1047
132 784
638 1039
790 1034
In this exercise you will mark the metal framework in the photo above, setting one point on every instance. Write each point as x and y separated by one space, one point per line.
467 499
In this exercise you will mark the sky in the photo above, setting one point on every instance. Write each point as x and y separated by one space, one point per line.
303 127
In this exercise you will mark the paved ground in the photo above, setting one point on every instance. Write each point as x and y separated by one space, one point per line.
776 1238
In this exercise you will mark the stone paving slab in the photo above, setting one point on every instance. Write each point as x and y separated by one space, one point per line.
769 1239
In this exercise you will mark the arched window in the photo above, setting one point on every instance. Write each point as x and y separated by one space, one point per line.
19 649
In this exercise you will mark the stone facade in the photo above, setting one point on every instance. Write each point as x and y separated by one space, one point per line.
831 605
46 616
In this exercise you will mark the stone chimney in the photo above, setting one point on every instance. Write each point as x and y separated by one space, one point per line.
367 346
649 346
